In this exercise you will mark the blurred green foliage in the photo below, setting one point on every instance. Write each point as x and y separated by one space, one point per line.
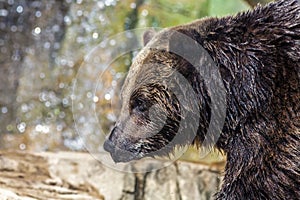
165 13
227 7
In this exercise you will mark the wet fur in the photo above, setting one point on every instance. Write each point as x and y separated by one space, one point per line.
258 55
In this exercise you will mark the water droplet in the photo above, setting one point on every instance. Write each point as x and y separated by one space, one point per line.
42 128
38 128
79 13
24 108
74 144
67 20
63 62
38 14
133 5
79 40
4 110
50 115
47 45
59 127
95 99
114 83
55 28
37 30
101 18
109 2
61 85
13 28
21 127
62 115
112 42
43 97
145 12
22 146
47 104
119 75
89 95
95 35
19 9
65 101
42 75
46 129
11 2
70 63
100 4
107 97
10 127
3 12
16 56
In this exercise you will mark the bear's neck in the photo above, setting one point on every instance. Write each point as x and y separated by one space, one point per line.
259 65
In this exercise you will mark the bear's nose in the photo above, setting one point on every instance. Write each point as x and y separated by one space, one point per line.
117 154
116 147
108 146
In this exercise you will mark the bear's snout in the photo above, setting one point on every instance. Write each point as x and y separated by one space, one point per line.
116 147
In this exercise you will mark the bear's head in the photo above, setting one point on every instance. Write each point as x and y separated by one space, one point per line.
165 101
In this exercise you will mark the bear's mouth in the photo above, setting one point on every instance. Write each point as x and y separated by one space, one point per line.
120 155
123 147
137 151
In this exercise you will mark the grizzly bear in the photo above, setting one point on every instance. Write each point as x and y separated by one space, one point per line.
172 93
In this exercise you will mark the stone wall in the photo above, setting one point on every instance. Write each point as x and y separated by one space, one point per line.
70 175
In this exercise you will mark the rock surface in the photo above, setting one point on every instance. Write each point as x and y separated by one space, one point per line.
69 175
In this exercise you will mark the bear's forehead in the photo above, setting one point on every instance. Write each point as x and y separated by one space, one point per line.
153 54
158 42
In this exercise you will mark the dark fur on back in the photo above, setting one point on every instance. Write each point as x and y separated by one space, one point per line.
258 56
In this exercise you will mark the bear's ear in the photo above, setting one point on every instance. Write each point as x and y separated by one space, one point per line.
148 35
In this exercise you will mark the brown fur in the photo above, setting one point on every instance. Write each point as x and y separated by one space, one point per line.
258 56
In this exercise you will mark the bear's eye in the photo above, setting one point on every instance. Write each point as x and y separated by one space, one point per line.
138 105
